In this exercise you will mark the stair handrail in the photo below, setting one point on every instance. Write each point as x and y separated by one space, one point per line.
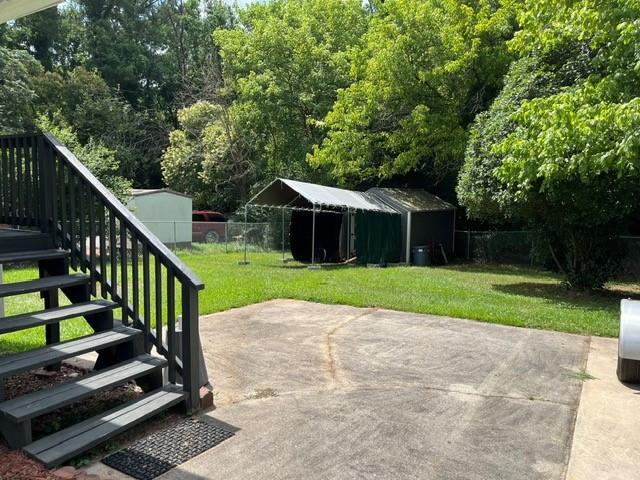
123 212
57 216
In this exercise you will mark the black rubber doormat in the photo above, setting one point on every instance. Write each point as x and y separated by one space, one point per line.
158 453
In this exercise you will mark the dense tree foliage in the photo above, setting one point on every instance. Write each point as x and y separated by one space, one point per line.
17 90
208 157
282 67
560 147
425 69
117 72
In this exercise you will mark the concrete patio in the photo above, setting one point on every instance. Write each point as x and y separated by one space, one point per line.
326 391
321 391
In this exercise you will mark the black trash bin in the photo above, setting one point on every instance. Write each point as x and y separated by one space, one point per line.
421 257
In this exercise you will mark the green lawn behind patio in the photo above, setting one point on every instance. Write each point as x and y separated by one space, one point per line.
499 294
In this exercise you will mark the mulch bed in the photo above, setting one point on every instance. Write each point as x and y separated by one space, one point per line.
14 465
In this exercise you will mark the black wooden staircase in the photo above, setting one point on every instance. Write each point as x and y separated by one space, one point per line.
92 253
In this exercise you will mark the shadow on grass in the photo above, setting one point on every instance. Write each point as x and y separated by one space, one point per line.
317 266
498 269
602 300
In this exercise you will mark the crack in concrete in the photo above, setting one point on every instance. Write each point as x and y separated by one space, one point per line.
408 386
335 376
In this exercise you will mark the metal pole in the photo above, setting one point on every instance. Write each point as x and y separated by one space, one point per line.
408 240
245 234
282 234
226 237
245 261
313 236
453 243
348 233
175 237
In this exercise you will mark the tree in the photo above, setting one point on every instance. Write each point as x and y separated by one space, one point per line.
560 147
39 34
17 91
99 159
283 65
208 157
82 100
425 69
194 66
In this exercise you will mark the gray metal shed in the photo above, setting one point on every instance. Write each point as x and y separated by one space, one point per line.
426 218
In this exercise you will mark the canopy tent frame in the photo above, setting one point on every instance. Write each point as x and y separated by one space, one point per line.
314 210
315 199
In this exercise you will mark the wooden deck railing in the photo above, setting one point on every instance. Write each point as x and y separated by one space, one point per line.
44 185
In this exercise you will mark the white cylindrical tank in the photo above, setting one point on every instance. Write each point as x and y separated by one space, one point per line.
629 342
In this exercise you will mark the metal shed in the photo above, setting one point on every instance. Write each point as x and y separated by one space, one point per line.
165 212
426 219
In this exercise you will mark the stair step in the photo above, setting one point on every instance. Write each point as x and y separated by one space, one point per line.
12 240
44 401
54 315
55 353
43 284
32 255
67 443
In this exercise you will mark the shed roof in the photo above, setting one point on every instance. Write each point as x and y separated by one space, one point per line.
138 192
302 195
409 199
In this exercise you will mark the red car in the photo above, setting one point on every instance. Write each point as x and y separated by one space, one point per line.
208 226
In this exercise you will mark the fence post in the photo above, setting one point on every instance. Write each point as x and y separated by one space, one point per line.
245 261
468 244
226 237
190 348
267 243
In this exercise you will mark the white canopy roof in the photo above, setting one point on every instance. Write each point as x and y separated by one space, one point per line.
302 195
13 9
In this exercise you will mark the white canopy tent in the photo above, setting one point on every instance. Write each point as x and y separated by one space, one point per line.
294 195
284 193
14 9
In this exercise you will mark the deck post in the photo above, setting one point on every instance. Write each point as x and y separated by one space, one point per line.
1 299
190 348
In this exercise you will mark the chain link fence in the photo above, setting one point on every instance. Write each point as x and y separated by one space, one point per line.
495 247
517 247
267 233
631 261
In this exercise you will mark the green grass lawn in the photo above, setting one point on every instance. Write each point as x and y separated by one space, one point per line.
498 294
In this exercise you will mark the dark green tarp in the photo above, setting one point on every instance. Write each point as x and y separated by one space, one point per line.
378 237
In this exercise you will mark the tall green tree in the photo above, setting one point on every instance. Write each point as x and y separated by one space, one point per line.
97 157
193 65
283 65
17 90
425 69
560 148
209 158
